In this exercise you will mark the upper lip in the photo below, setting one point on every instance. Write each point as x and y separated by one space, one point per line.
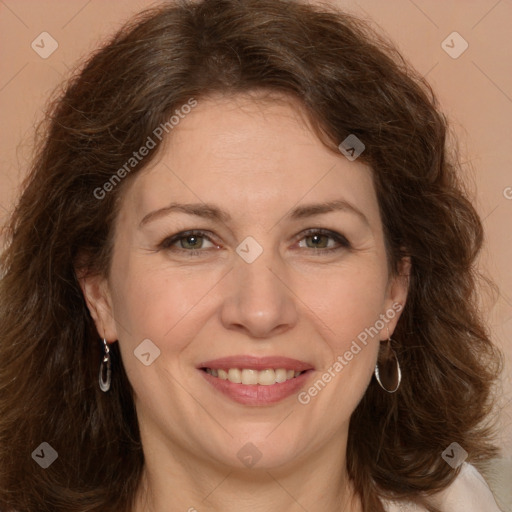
256 363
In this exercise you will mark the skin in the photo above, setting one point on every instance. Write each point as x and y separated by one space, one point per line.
257 159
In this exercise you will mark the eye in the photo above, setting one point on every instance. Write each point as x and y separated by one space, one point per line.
322 241
190 242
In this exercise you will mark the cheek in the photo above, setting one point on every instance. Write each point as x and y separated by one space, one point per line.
347 300
347 305
159 303
167 307
341 383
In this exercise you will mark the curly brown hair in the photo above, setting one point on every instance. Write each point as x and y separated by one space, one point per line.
350 80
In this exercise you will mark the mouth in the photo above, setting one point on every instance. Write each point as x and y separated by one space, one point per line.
256 381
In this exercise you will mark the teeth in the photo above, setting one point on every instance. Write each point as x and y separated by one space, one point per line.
253 377
234 375
249 376
267 377
280 375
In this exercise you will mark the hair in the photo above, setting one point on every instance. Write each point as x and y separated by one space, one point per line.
348 80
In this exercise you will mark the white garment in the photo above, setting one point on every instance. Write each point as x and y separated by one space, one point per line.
469 492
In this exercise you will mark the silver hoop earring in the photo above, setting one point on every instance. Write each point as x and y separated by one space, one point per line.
389 376
105 369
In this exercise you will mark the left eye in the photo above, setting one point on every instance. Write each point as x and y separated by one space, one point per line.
320 241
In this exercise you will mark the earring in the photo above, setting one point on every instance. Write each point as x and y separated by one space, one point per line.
105 366
389 375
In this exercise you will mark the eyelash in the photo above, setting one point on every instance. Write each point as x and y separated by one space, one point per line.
340 239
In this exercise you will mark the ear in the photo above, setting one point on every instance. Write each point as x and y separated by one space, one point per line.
98 298
396 296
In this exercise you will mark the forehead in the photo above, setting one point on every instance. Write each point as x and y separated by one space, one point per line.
251 155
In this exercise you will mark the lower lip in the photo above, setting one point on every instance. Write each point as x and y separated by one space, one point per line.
257 394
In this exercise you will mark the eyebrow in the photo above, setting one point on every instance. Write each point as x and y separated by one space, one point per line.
205 210
310 210
212 212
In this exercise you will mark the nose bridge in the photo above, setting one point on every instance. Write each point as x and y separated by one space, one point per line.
258 300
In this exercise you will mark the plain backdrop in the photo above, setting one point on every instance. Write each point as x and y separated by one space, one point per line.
474 88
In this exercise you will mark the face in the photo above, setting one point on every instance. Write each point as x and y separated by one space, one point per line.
258 267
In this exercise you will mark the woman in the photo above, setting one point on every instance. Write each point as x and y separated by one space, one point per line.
244 262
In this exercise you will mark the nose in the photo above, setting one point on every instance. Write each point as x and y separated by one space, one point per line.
259 302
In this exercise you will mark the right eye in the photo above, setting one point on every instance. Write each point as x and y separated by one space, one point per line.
190 242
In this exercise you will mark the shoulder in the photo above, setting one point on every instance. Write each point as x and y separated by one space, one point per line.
469 492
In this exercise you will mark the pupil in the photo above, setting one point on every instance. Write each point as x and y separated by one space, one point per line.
316 239
192 240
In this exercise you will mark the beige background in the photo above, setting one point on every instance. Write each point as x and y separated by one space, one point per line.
475 91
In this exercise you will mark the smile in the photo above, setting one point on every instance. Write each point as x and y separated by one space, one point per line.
251 377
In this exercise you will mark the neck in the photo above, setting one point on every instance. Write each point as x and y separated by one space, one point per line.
186 483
